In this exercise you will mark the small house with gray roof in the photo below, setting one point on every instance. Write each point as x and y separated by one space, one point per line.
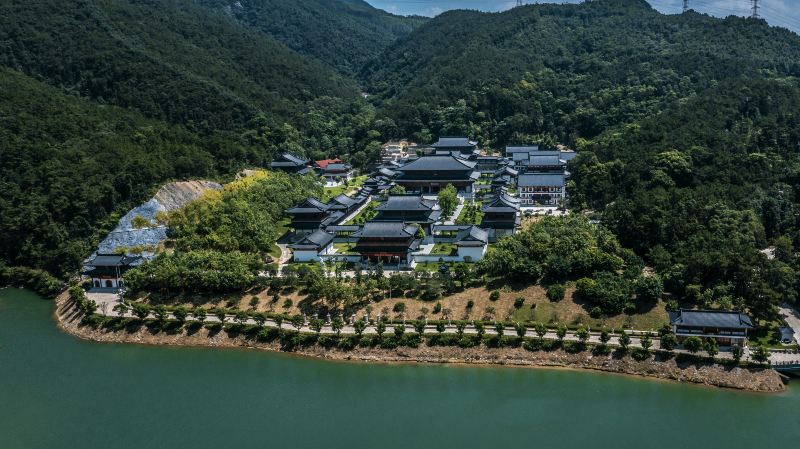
727 328
312 246
107 270
288 162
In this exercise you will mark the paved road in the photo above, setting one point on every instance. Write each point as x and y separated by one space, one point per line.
792 317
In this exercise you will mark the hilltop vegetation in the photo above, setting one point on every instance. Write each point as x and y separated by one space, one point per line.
686 126
559 73
101 101
344 34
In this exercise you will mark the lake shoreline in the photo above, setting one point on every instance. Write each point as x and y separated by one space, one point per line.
762 380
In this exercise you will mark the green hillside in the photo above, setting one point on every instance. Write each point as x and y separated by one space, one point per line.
171 60
67 163
342 33
564 71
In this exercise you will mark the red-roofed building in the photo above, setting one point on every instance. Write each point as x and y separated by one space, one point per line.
323 164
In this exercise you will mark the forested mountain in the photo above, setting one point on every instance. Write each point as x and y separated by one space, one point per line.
564 71
342 33
102 100
171 60
686 125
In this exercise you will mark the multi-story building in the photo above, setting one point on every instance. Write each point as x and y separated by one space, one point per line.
541 189
429 174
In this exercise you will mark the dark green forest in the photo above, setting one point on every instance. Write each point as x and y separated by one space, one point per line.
687 126
342 34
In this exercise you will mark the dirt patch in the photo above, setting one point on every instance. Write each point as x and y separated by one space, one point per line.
175 195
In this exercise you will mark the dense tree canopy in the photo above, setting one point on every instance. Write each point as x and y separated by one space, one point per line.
243 217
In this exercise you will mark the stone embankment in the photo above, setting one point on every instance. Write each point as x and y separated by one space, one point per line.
717 375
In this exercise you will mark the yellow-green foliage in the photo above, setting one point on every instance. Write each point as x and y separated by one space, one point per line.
242 217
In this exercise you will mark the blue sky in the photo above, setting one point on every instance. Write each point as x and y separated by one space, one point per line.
785 13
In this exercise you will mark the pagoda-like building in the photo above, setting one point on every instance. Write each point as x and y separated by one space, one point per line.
430 174
409 209
312 214
500 215
390 242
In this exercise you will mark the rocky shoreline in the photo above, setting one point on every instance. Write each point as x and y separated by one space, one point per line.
749 379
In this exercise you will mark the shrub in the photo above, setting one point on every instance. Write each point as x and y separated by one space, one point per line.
693 344
556 292
519 302
437 307
288 303
470 304
494 295
347 343
327 341
399 307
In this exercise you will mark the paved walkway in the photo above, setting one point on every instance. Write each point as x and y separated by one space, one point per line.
456 213
106 302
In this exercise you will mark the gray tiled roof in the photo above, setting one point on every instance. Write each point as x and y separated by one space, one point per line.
337 168
437 163
389 173
315 240
521 149
310 205
409 203
112 260
344 200
454 142
390 229
710 318
541 180
502 202
472 236
289 159
545 160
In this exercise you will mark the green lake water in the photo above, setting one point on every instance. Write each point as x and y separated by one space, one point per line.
60 392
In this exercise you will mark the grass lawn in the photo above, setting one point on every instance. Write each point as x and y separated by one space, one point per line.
344 248
366 214
351 187
471 214
282 229
447 249
429 266
768 335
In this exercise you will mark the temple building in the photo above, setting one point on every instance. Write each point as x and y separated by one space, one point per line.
312 246
452 145
727 328
107 270
410 209
429 174
335 173
544 189
390 242
290 163
471 243
312 214
500 215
